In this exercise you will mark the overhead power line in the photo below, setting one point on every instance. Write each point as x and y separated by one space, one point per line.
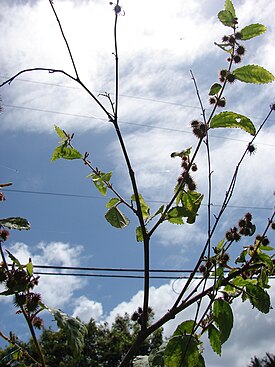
127 123
31 192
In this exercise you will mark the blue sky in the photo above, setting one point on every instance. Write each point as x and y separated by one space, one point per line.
158 45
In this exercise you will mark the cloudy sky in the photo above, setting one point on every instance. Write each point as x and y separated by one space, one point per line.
158 46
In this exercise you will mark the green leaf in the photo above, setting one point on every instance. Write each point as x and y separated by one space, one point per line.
252 30
220 245
226 18
191 201
156 356
15 223
116 218
241 257
139 235
223 318
266 260
230 7
112 202
229 119
258 297
29 268
61 133
186 327
65 152
145 209
253 74
73 328
183 351
215 88
176 214
181 154
14 259
219 276
214 337
240 282
101 181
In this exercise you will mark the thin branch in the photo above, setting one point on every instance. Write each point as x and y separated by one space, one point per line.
146 237
64 38
12 342
52 71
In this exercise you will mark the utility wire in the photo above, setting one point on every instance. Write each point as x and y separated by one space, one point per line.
125 122
103 198
121 95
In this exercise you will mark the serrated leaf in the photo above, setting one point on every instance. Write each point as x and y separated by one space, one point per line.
241 282
266 260
253 74
214 337
112 202
251 31
73 328
61 133
65 152
230 119
223 318
183 351
186 327
258 297
226 18
230 7
15 223
145 209
176 214
116 218
191 201
101 181
215 88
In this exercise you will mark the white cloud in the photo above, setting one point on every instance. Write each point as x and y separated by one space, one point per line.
86 309
57 291
252 333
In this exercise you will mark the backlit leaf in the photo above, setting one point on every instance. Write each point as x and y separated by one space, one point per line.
61 133
101 181
191 201
252 30
14 259
226 18
176 214
74 330
145 209
29 268
116 218
214 337
112 202
183 351
230 7
258 297
65 152
215 88
253 74
229 119
186 327
15 223
223 318
139 235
